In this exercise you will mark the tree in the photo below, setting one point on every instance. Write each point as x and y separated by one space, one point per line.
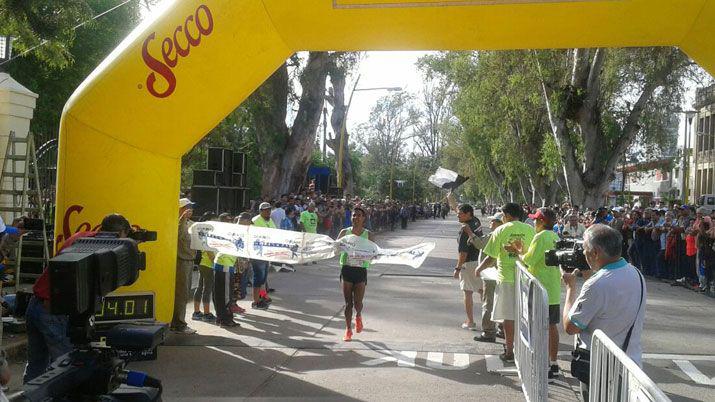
384 138
341 63
47 26
56 79
502 125
434 114
599 102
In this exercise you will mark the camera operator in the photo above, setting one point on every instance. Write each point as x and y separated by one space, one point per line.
612 299
47 333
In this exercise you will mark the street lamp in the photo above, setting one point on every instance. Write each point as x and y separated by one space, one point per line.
345 119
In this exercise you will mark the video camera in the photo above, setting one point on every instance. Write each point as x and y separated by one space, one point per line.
80 276
568 255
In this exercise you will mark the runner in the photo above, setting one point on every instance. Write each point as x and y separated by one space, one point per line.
353 275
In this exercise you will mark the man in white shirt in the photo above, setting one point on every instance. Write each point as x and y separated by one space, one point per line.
278 214
612 299
573 228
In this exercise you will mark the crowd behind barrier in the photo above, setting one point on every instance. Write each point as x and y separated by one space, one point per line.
675 244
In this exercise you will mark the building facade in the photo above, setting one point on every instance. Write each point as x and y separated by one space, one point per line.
703 140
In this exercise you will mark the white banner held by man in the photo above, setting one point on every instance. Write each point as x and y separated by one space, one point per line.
290 247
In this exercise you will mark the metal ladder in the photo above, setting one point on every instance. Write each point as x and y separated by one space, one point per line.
22 195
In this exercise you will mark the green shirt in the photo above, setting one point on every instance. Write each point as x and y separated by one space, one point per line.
550 277
227 261
262 223
502 236
309 221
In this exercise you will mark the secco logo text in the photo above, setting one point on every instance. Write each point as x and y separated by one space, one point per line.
185 36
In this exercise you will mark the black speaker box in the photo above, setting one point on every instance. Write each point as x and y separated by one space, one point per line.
228 200
238 180
239 163
215 159
204 178
227 162
206 199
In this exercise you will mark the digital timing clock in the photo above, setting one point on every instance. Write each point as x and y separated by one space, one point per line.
126 307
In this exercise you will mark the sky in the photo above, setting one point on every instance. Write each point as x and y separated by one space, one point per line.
382 69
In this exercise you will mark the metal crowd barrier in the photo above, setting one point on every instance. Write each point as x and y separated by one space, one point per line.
616 377
531 338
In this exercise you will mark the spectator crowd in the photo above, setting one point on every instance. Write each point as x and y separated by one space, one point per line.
673 244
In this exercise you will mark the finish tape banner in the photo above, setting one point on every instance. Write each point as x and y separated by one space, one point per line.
290 247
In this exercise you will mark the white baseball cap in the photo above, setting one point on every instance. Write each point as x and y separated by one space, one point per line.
186 202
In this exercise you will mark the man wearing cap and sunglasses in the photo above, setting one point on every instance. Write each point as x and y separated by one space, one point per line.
184 265
534 257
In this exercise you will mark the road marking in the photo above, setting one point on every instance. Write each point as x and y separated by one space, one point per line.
696 358
694 374
435 360
403 359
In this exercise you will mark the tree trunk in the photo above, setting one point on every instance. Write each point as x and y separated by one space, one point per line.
299 147
337 117
268 107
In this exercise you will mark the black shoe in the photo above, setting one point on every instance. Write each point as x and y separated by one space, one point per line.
227 323
261 305
482 338
500 334
507 357
554 372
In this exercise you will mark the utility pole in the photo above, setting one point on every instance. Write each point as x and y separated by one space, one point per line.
392 172
414 176
325 130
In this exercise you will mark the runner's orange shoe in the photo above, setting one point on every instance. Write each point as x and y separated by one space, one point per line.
358 324
348 335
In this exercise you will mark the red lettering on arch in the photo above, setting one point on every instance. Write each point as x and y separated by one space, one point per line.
202 23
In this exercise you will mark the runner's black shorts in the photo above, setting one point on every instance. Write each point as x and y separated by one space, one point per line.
353 274
554 314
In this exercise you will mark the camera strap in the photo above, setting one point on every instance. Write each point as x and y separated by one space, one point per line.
630 331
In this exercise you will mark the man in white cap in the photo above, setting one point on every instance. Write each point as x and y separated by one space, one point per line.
260 267
184 265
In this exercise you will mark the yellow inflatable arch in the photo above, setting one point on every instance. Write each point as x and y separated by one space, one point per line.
124 130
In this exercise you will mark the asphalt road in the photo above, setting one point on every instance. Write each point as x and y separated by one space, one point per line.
412 348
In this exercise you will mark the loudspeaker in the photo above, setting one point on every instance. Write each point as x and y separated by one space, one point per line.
206 199
238 180
239 163
215 159
242 199
204 178
228 200
227 162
